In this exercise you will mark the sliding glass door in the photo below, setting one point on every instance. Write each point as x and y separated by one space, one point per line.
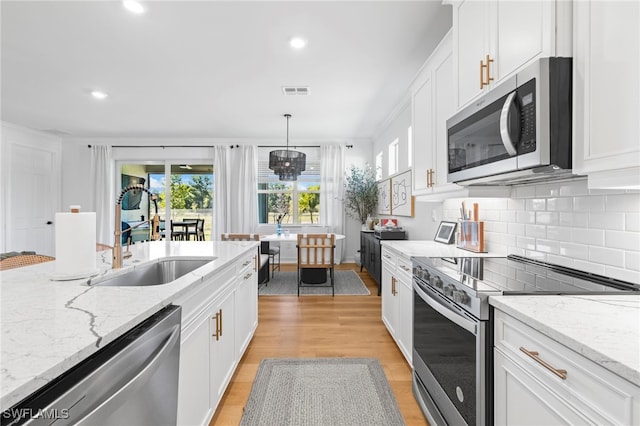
185 194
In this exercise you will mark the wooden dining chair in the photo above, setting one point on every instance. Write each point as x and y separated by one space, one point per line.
102 247
177 232
263 273
316 251
23 260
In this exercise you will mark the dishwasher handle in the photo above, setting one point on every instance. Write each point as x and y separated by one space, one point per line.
111 402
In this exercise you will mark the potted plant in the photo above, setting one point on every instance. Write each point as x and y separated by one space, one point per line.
361 193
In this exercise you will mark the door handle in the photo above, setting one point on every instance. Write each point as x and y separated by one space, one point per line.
505 128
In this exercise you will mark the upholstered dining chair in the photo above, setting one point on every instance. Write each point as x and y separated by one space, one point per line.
23 260
263 273
316 251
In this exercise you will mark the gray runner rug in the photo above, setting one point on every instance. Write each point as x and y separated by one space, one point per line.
321 392
286 283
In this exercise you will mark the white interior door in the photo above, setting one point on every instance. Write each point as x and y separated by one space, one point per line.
31 201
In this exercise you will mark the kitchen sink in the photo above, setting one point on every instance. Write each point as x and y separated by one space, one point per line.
161 272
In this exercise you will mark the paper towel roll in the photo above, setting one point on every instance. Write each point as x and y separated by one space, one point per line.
75 245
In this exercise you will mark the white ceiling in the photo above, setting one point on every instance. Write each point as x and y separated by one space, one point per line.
212 68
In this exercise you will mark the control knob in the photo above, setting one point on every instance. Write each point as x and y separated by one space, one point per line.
448 290
461 297
436 282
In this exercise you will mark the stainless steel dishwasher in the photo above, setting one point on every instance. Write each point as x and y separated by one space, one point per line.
132 381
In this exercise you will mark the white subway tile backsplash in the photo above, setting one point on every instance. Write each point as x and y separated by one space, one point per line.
590 204
573 188
526 217
622 274
514 204
623 240
565 223
536 204
623 203
574 251
632 260
632 222
564 204
536 231
606 256
574 219
547 218
591 237
601 220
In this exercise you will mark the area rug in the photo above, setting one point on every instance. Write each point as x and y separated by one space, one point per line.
321 392
286 283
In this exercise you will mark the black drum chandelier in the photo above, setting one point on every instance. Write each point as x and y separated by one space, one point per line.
288 165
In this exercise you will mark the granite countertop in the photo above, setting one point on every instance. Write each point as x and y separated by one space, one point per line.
603 328
427 248
49 326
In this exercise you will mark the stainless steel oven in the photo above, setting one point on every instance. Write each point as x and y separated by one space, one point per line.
451 366
453 330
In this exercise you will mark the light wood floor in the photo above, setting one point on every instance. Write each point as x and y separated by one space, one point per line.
320 326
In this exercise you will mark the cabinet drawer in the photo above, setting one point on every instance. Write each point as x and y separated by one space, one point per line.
246 262
404 268
602 395
389 257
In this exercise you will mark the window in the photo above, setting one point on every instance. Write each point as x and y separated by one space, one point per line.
393 157
410 145
379 166
295 202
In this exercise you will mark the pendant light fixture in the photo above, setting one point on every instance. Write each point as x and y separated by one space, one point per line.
288 165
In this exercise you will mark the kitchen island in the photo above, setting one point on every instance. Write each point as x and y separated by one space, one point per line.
50 326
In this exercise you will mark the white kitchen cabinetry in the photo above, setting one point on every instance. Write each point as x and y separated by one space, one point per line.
218 322
397 300
492 39
431 106
606 89
529 388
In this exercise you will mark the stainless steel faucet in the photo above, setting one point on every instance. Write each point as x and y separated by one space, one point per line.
117 244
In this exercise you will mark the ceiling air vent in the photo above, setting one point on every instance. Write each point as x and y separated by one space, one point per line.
295 91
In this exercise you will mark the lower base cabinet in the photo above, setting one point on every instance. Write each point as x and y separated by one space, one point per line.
538 381
219 320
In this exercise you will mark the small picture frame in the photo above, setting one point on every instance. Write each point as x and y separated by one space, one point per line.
446 233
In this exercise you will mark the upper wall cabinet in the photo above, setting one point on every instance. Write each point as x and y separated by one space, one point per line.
606 91
431 105
492 39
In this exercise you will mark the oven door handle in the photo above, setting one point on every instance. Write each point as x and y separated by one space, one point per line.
468 325
505 130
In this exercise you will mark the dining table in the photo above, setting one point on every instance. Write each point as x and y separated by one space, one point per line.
310 275
187 228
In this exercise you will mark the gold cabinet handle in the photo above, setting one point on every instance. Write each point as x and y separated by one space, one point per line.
536 357
246 277
255 263
216 317
220 322
489 78
482 67
393 286
246 263
430 182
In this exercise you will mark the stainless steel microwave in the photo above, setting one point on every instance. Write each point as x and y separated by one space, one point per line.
520 131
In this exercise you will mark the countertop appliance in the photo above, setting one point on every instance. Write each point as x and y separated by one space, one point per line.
453 330
132 380
518 132
390 234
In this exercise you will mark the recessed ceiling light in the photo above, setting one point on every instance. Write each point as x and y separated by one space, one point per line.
98 94
297 42
133 6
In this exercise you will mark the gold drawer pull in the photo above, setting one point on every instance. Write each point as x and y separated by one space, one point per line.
536 357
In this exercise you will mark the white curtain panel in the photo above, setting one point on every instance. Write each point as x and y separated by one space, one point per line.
221 191
332 187
102 189
245 189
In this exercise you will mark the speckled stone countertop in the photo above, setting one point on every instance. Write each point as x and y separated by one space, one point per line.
49 326
604 329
